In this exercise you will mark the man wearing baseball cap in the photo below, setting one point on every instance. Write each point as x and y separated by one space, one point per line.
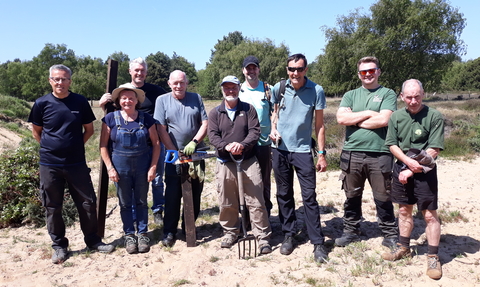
258 94
233 129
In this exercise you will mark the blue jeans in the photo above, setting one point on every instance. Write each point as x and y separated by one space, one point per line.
132 189
157 184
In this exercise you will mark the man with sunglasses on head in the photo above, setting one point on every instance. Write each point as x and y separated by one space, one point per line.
292 118
365 112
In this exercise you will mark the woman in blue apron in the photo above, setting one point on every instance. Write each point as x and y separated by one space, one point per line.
130 149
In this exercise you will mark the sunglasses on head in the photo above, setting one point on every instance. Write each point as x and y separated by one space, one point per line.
293 69
370 71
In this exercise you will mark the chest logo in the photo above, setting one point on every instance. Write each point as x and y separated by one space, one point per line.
418 132
377 99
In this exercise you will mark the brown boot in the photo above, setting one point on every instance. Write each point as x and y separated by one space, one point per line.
434 268
397 253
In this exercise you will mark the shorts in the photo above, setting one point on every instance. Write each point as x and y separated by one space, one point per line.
420 189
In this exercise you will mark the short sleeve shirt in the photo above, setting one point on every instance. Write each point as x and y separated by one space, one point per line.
422 130
295 116
62 121
183 118
361 99
257 98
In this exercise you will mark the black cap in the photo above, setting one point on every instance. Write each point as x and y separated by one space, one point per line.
251 60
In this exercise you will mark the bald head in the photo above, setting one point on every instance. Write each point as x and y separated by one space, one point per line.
412 94
178 83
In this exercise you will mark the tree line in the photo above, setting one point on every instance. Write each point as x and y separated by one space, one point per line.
413 39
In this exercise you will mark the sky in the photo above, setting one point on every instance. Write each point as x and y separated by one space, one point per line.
98 28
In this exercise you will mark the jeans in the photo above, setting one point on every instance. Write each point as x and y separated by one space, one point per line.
157 184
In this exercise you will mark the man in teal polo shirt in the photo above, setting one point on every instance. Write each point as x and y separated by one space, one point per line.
291 133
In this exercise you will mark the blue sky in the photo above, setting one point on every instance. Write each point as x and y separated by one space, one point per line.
189 28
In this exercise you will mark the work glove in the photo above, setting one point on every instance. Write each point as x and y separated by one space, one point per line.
189 148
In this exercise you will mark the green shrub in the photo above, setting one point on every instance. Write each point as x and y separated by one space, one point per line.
19 183
14 107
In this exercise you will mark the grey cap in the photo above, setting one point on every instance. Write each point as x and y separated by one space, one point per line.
230 79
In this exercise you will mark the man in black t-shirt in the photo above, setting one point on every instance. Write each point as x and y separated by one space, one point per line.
62 122
138 72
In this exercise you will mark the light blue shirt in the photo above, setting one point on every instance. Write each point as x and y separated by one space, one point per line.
257 98
295 116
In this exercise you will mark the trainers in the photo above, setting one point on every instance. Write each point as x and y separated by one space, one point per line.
265 248
59 255
397 253
434 268
320 253
228 241
102 247
143 243
169 240
158 218
131 244
390 242
287 245
347 238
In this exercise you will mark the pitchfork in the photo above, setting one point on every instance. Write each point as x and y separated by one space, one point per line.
242 242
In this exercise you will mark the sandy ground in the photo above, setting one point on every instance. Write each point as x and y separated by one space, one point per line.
25 252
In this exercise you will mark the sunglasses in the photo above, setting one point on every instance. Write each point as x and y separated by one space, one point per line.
370 71
293 69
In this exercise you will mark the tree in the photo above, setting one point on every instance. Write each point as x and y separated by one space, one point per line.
412 39
159 68
228 57
90 77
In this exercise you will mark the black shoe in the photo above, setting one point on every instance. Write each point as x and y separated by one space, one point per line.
320 253
59 255
102 247
169 240
390 242
287 245
265 248
347 238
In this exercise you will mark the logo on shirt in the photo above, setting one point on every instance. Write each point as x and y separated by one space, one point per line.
418 132
377 99
75 112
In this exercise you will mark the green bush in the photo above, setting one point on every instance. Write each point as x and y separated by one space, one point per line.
14 107
19 184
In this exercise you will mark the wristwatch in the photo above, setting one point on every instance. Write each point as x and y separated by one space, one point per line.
324 152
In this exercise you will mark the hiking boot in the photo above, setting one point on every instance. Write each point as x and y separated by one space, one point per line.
143 243
397 253
158 218
347 238
59 255
287 245
102 247
320 253
228 241
390 242
265 248
169 240
131 244
434 268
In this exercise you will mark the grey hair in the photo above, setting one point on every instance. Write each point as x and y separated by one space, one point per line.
61 68
176 71
418 82
140 61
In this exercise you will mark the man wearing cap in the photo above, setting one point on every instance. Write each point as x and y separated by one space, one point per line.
415 137
292 131
233 129
183 125
365 112
138 72
62 122
131 161
258 94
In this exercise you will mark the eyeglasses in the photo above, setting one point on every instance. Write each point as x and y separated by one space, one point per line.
59 80
370 71
293 69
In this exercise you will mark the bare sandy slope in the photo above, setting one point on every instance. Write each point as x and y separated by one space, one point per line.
25 252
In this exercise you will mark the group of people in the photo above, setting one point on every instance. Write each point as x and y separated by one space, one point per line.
263 128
